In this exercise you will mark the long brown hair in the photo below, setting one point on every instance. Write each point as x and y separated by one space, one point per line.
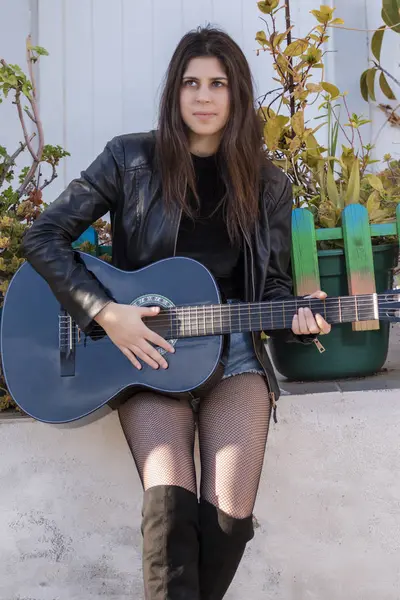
240 150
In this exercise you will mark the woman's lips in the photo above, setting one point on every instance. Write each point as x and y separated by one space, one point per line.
204 116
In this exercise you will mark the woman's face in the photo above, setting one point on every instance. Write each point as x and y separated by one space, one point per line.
205 99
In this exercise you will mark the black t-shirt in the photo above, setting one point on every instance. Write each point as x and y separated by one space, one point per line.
205 236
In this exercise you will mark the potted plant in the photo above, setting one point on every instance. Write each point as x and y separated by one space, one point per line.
325 181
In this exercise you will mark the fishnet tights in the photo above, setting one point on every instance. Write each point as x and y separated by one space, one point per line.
233 427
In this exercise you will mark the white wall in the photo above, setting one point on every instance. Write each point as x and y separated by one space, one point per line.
108 57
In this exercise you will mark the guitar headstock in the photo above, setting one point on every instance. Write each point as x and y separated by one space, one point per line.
389 306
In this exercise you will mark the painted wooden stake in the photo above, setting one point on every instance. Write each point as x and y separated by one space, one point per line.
359 257
305 268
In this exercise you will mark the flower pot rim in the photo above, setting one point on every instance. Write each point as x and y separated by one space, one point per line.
340 251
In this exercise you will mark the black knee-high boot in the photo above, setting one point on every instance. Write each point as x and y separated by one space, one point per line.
170 529
223 540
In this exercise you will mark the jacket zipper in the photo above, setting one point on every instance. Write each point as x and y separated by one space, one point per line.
270 393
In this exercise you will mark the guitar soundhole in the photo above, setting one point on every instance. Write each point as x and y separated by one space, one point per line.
156 300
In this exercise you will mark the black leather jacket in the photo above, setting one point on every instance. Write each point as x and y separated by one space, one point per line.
122 180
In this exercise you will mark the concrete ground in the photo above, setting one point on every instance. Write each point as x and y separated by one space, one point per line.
327 514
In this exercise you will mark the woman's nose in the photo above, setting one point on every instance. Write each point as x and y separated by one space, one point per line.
203 94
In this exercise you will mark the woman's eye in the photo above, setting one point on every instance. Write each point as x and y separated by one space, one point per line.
189 82
218 83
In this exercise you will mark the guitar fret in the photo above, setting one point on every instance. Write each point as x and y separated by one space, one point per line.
219 319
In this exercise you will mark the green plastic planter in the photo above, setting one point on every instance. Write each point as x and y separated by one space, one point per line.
348 353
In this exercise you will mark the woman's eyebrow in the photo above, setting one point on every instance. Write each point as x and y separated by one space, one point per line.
212 78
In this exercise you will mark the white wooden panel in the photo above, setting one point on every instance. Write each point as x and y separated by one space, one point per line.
168 28
78 82
197 14
107 71
137 66
51 35
260 64
14 28
227 14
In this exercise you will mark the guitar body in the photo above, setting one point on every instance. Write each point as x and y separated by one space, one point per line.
57 387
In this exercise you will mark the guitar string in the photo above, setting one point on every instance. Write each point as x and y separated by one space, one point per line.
281 304
176 331
238 314
192 314
261 307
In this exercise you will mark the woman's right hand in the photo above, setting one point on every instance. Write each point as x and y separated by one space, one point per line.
124 326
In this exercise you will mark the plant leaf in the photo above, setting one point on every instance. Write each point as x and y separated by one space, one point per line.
375 183
337 22
364 85
371 83
385 87
333 193
376 42
353 189
327 214
331 89
298 123
314 88
268 6
296 48
261 38
391 13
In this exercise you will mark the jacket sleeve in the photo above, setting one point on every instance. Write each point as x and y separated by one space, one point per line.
279 285
47 245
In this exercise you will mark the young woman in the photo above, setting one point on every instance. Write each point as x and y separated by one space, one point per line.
199 186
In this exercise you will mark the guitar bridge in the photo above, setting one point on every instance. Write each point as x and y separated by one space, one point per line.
67 344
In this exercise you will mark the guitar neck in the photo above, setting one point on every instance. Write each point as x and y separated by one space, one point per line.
194 321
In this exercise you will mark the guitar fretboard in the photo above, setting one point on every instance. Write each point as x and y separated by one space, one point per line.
194 321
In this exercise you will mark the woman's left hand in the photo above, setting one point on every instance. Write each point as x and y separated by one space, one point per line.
304 323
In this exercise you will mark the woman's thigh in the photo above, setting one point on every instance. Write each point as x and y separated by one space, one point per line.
160 434
233 428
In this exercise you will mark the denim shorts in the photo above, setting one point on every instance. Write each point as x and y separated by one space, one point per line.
240 356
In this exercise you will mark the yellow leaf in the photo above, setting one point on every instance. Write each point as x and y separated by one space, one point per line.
298 123
375 183
296 48
337 22
261 38
314 88
327 214
373 203
267 6
331 89
277 39
333 193
295 144
324 15
353 189
273 131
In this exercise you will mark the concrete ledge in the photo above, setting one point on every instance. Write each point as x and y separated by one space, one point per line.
328 510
